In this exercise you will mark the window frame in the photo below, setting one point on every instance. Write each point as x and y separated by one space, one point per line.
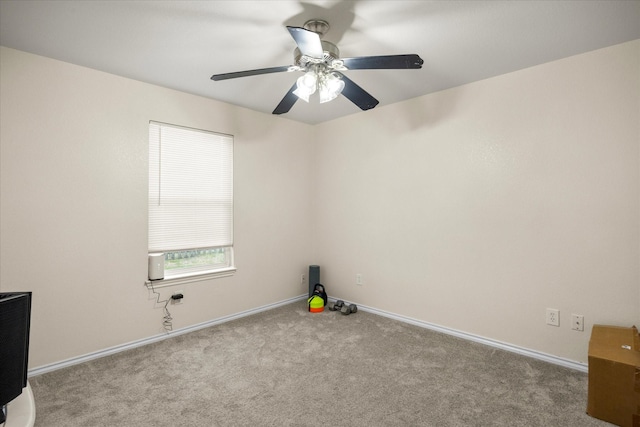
197 273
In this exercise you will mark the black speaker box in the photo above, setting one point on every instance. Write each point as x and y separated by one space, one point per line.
15 319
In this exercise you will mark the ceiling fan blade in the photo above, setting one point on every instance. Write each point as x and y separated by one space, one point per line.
247 73
287 102
356 94
383 62
308 42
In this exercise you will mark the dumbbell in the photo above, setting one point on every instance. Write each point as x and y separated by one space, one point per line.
336 306
348 309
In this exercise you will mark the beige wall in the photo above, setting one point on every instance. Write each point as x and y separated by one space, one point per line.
478 207
73 214
473 208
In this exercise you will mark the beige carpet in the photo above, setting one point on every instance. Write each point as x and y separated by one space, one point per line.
288 367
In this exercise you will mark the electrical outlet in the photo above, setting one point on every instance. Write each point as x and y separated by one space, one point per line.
577 322
553 317
303 279
359 279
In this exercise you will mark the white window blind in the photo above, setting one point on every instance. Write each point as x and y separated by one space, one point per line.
190 189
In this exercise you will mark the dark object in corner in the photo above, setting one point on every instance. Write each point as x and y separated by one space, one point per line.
314 277
15 320
318 289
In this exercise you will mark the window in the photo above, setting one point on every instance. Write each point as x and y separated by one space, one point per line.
191 200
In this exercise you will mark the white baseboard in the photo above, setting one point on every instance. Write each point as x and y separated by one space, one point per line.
471 337
128 346
578 366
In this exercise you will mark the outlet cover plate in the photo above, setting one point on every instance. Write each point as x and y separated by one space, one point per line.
577 322
553 317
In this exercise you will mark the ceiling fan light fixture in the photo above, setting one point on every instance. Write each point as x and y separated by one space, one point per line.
330 87
306 85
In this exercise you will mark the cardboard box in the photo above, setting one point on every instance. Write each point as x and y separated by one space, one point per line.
614 375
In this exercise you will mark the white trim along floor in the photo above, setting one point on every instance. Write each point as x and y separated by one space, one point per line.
471 337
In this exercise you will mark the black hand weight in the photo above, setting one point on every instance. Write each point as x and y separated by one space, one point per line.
348 309
336 306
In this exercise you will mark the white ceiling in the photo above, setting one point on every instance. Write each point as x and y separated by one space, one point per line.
180 44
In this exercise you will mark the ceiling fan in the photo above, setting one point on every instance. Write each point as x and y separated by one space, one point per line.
322 66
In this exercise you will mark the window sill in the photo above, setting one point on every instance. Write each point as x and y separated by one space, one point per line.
193 277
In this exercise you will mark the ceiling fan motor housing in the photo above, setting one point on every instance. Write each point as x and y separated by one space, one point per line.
331 55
